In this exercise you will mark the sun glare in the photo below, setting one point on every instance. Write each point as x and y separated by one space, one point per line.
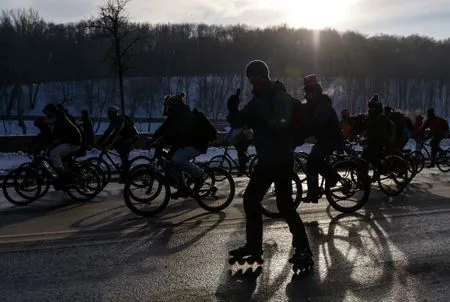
315 14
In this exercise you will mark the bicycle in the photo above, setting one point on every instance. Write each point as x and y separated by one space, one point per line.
156 181
31 181
226 162
108 166
351 179
442 157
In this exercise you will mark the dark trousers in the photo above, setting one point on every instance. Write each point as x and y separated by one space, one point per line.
316 164
434 143
262 177
123 148
241 149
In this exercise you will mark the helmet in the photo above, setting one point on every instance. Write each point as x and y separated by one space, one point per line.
257 68
430 111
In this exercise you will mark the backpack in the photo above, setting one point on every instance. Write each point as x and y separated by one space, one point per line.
443 123
203 127
392 131
301 121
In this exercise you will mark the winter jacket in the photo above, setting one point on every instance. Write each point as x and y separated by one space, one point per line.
325 122
437 125
268 114
64 131
179 130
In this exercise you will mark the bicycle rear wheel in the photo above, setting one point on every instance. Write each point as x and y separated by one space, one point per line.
269 203
352 190
88 183
25 183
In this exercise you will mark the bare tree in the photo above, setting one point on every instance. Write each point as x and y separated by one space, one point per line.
113 21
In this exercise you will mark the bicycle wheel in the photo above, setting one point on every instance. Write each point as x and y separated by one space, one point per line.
88 183
353 186
217 191
154 188
15 181
443 161
269 203
419 160
139 160
394 176
220 161
412 166
102 167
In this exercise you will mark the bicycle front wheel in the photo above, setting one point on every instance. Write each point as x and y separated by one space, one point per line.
146 192
217 191
443 161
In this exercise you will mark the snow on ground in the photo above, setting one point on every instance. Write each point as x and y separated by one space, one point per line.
9 161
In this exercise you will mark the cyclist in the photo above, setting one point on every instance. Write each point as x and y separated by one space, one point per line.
121 135
327 131
178 131
403 127
66 139
380 134
438 131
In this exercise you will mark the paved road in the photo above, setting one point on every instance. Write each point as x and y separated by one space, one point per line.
395 249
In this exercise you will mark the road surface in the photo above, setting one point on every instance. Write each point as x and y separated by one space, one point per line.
394 249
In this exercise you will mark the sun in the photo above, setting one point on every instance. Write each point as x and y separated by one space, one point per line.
314 14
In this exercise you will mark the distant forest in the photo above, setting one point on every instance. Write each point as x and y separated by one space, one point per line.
82 66
35 51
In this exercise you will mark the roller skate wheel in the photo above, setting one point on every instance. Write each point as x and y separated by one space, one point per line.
231 261
241 261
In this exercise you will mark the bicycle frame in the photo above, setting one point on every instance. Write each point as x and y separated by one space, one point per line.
108 154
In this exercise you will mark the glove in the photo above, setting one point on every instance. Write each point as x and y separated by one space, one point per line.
233 101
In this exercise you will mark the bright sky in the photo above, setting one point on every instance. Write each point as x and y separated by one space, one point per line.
398 17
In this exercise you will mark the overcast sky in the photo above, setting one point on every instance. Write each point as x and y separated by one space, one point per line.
398 17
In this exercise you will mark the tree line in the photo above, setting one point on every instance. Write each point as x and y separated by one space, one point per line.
33 50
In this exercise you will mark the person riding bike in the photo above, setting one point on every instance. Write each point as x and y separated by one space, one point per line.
403 127
438 131
268 114
327 131
380 134
179 131
66 140
121 135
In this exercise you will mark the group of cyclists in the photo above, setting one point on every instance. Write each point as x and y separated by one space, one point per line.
268 115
